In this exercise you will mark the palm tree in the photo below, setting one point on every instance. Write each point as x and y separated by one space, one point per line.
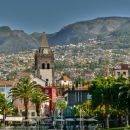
103 94
24 91
6 107
38 98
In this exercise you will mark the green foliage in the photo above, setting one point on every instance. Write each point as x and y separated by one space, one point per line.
113 95
24 91
85 109
104 93
6 107
60 105
124 97
39 97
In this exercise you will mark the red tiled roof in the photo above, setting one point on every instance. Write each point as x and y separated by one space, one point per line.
25 74
6 83
124 66
82 88
65 78
121 67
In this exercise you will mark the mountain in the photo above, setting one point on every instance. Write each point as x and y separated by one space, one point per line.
15 40
81 31
102 28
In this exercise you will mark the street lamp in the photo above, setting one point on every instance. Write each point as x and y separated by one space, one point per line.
81 120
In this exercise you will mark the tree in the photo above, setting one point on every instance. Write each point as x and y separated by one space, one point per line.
103 94
38 98
86 108
124 97
24 91
6 107
60 105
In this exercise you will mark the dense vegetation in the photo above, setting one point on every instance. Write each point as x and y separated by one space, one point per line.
110 101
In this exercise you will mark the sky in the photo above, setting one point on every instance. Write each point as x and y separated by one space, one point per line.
51 15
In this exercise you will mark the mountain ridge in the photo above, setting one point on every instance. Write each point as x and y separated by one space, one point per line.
18 40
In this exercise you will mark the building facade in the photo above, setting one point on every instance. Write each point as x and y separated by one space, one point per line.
49 106
121 69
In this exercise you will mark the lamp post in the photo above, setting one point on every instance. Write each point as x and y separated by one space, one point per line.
61 118
4 118
81 120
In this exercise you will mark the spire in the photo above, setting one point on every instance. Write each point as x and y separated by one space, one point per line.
44 40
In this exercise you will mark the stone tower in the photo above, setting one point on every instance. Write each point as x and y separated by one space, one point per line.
44 62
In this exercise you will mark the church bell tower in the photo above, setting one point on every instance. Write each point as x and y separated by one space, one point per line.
44 62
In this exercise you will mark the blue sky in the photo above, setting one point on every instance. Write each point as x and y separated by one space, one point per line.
51 15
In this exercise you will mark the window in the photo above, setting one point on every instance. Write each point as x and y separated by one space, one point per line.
48 66
43 66
32 113
118 73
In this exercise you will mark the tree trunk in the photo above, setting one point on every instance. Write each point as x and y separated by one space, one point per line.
38 109
107 115
119 120
127 118
26 108
4 116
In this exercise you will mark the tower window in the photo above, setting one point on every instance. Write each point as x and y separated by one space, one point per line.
43 66
48 66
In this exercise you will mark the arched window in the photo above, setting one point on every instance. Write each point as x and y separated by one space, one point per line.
43 66
48 66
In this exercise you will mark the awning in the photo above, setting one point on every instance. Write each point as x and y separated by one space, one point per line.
30 121
80 119
69 119
91 120
59 119
11 118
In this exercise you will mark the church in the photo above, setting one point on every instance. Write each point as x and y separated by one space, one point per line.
44 64
44 73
